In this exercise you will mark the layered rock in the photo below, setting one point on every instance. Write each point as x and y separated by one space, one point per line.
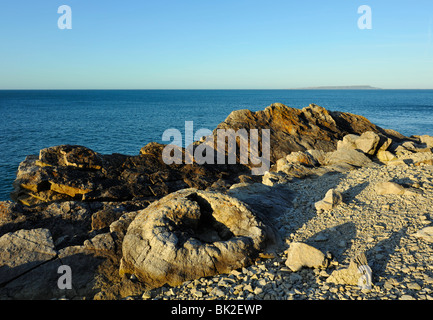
293 129
77 173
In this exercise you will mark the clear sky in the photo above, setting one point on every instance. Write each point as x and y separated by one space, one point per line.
215 44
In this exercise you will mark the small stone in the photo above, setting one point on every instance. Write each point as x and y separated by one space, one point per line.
406 297
262 282
294 277
332 199
236 273
258 290
389 187
218 292
146 295
357 273
197 293
248 288
413 286
425 234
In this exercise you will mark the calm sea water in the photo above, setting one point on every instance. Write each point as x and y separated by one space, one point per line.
123 121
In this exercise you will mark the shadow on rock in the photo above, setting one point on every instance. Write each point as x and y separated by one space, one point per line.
335 240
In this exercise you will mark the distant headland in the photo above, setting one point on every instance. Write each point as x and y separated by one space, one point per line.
339 88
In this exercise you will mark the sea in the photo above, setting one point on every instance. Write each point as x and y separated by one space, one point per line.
123 121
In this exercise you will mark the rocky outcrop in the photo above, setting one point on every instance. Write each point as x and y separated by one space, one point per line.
77 173
293 129
125 224
191 234
353 151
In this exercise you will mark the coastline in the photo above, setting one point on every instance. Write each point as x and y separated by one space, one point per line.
55 209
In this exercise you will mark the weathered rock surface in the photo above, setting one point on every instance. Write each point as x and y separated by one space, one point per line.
37 240
368 142
191 234
77 173
24 250
389 187
425 234
353 274
347 157
312 127
303 255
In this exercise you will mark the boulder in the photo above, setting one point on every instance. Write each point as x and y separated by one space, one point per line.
348 142
347 156
70 155
303 255
385 156
275 178
415 147
332 199
368 142
293 129
301 157
427 140
317 155
191 234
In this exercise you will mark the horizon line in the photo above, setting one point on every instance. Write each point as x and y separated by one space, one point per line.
209 89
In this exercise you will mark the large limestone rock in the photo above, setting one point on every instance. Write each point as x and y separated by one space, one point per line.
35 241
191 234
32 268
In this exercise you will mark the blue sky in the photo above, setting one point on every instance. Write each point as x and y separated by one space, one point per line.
219 44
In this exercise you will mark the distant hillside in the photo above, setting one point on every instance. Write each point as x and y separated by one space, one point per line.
340 88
